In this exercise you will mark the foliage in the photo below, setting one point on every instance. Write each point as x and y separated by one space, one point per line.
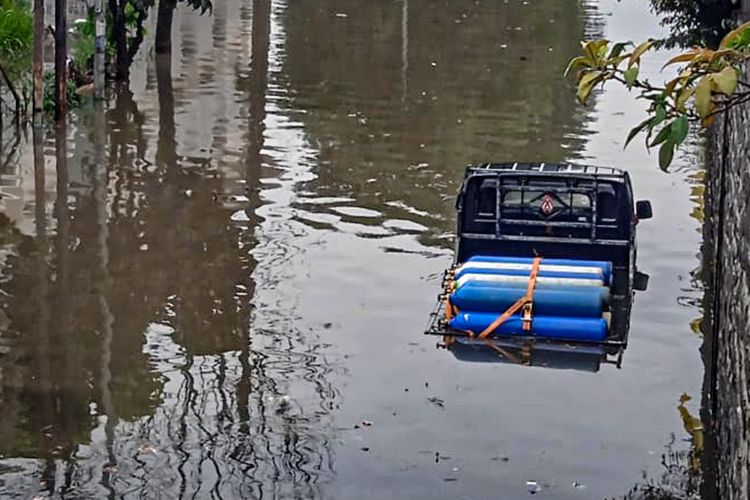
126 28
708 82
74 99
695 22
83 46
201 5
16 38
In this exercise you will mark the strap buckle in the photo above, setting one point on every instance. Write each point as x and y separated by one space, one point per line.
526 316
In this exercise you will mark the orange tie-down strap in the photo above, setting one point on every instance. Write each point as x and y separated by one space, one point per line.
449 309
524 303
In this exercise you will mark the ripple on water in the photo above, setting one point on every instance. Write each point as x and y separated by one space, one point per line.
358 212
402 225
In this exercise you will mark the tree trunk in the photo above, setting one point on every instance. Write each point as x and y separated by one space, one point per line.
166 146
12 89
119 33
258 83
163 41
61 59
38 65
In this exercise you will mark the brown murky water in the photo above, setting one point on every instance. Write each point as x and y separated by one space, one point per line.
225 279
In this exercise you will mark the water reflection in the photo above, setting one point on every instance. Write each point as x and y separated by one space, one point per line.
130 363
690 22
184 308
564 357
390 102
150 345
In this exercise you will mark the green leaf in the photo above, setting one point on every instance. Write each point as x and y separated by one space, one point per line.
680 128
587 84
660 114
731 38
630 76
635 131
617 49
662 136
743 41
666 153
635 57
580 61
703 96
595 50
726 80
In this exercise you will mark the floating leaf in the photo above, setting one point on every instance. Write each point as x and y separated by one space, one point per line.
703 96
679 130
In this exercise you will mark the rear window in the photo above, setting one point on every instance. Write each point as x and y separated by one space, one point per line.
518 199
525 203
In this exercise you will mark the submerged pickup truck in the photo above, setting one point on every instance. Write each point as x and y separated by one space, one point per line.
545 260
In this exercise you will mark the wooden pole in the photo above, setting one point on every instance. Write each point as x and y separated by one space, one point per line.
61 59
38 62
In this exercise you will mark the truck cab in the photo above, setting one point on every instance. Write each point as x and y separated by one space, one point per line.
553 210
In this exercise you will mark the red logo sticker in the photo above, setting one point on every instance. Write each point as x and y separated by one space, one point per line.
548 205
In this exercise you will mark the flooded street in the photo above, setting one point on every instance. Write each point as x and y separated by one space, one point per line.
220 290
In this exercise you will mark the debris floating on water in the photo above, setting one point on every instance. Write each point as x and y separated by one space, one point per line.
436 401
533 487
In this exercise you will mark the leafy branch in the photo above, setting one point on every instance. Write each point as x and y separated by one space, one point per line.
708 82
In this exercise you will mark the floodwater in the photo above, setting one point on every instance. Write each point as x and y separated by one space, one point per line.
217 287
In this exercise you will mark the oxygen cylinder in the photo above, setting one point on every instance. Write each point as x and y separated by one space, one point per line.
552 327
583 302
606 267
523 285
542 280
596 274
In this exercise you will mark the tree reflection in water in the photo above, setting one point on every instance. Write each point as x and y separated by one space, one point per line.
696 22
133 369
